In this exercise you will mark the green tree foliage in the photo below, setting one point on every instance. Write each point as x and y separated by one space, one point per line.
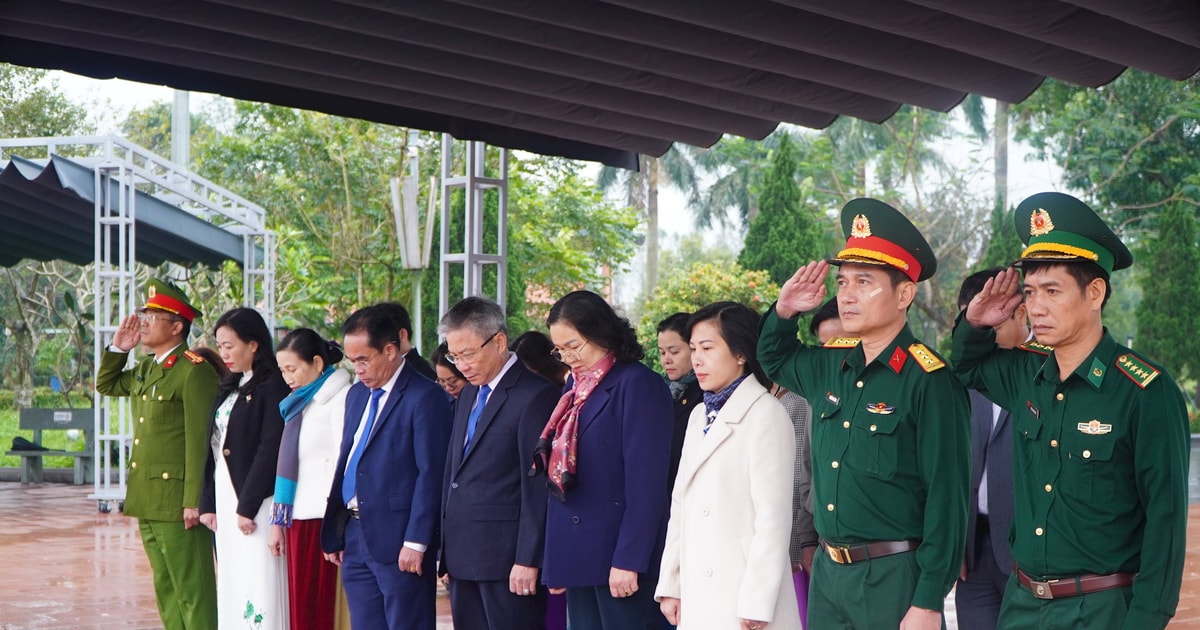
564 235
786 234
1169 273
703 283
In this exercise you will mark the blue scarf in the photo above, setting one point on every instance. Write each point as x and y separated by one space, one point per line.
714 401
288 467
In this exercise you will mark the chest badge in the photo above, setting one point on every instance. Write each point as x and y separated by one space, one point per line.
1095 427
1037 413
831 398
881 408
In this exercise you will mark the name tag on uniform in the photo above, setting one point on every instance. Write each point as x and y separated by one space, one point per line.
1095 427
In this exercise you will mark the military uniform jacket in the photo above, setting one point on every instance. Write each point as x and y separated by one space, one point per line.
172 404
1100 464
890 446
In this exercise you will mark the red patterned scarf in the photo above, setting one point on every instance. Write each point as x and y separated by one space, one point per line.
555 454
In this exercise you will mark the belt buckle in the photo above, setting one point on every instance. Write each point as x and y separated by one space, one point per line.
840 555
1042 590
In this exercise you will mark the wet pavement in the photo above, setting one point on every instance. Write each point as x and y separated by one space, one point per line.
66 565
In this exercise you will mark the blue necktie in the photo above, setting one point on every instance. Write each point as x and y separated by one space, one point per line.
476 411
350 478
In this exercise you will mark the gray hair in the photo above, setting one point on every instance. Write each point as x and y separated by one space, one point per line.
480 314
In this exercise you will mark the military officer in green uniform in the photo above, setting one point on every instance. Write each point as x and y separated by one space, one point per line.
171 392
1100 449
890 443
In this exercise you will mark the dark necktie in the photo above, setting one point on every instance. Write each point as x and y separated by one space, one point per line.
476 411
351 476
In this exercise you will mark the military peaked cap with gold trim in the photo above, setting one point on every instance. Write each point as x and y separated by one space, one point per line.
1058 227
877 234
164 296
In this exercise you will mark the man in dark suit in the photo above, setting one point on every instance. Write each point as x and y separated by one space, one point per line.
493 513
412 356
989 561
382 520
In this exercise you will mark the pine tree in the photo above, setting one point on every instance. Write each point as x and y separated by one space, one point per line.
1003 247
1167 324
783 236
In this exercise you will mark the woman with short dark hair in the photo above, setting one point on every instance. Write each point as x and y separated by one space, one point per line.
240 478
602 452
725 564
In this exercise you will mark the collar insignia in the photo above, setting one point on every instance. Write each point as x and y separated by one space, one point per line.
861 228
881 408
1095 427
170 361
1040 223
897 360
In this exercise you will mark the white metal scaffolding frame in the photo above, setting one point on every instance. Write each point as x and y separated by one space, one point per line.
475 183
136 169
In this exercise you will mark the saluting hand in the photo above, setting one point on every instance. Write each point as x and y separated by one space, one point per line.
128 334
804 291
996 301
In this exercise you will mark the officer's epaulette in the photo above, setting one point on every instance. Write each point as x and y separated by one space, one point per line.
925 357
1136 369
193 357
1037 348
841 342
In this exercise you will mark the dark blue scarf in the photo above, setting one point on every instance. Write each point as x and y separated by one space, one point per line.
713 401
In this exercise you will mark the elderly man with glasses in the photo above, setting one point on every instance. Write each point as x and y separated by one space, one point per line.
493 513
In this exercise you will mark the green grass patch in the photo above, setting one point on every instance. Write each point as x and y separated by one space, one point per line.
56 440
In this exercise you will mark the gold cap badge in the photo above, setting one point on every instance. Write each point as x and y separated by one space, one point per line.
861 228
1040 223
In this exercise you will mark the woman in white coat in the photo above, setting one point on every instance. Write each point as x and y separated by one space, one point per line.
313 415
725 565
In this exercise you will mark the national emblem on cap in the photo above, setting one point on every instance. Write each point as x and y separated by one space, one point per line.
878 234
1058 227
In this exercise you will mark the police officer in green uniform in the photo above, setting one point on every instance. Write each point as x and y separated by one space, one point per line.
890 443
171 392
1100 449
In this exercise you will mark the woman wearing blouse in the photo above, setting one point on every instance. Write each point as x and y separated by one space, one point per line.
313 416
240 478
726 559
603 453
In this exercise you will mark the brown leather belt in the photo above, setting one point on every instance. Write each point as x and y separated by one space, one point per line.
850 554
1071 586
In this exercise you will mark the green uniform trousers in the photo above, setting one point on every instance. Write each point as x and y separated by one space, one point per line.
1103 610
185 581
864 595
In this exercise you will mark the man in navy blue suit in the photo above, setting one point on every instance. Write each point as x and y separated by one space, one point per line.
493 513
989 560
381 523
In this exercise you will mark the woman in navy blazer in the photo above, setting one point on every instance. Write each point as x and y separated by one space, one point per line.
606 521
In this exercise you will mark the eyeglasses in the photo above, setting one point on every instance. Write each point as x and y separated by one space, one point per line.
469 357
362 364
156 317
565 355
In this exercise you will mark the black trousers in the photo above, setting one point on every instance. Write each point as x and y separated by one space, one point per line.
491 606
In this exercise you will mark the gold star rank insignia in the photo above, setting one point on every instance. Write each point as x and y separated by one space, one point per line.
841 342
926 358
1137 370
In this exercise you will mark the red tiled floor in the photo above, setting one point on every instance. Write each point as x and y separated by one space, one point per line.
68 566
